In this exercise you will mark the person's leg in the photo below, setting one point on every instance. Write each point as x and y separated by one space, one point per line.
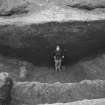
56 65
59 65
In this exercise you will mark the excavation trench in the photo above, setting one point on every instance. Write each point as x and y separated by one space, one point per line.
36 43
84 47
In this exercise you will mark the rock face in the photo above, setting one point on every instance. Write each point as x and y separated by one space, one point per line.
41 11
39 93
8 5
11 7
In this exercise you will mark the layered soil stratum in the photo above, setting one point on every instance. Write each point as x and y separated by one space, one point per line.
29 33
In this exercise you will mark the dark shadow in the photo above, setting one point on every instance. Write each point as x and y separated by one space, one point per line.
79 40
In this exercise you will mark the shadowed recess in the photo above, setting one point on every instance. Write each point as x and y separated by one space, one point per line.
36 42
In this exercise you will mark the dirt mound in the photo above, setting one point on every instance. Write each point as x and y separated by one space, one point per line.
33 93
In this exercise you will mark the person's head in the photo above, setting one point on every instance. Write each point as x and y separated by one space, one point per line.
57 48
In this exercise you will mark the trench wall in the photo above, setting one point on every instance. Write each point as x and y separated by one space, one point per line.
33 93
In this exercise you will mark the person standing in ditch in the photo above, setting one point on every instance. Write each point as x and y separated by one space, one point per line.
58 57
6 89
